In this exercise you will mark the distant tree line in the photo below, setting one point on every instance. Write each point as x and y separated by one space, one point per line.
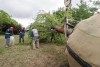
6 22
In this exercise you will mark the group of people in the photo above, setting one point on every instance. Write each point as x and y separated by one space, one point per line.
33 33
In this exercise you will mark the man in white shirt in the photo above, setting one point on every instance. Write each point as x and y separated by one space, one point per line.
35 38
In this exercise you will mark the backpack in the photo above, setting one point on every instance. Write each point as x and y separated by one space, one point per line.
31 33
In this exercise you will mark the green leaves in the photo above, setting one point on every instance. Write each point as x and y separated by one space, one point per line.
43 23
83 11
6 21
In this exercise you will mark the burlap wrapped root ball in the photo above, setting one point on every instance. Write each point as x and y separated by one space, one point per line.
85 42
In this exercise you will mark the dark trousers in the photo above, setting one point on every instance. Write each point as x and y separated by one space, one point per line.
21 39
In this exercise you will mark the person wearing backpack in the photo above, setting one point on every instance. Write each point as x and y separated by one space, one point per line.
35 38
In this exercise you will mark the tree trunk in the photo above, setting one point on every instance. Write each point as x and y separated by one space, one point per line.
61 30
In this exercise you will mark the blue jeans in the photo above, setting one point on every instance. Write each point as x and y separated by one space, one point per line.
7 41
35 37
21 39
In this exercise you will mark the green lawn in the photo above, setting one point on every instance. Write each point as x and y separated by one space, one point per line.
21 55
3 40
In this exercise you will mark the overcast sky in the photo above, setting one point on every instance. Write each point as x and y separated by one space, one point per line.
24 10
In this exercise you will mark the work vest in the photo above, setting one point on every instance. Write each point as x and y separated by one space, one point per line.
8 33
21 32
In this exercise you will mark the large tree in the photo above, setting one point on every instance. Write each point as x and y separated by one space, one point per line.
44 21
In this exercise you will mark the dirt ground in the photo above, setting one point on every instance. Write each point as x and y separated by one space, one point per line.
21 55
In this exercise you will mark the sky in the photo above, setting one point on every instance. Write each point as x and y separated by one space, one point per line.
24 11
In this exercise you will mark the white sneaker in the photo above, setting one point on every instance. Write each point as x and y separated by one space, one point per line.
6 45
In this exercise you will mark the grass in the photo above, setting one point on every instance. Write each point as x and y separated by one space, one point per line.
21 55
2 50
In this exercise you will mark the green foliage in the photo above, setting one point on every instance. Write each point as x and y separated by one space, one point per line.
43 23
4 18
44 20
6 21
61 13
14 22
83 11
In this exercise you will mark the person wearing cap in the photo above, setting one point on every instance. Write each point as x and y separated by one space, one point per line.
8 33
21 35
35 38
